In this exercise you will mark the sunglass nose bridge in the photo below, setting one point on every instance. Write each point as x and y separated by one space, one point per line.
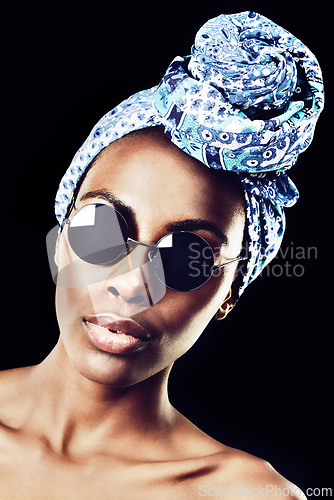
132 244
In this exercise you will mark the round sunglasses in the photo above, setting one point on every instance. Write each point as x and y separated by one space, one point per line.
98 234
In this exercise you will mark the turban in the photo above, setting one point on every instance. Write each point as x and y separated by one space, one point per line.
245 100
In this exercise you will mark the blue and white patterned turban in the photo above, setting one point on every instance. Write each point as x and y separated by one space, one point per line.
246 100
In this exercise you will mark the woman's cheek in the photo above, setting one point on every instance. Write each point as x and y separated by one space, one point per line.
185 315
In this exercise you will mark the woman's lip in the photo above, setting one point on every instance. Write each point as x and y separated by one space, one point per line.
115 323
115 335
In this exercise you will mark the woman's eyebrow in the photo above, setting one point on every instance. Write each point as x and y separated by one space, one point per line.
183 225
196 225
107 195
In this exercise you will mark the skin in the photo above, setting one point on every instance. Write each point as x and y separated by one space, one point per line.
89 424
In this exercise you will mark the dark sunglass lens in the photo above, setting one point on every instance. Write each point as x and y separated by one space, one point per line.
98 234
187 260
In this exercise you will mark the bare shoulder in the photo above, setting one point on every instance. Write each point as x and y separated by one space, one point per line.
12 379
223 471
12 392
242 474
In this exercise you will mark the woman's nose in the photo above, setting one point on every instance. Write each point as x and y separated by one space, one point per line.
134 280
132 287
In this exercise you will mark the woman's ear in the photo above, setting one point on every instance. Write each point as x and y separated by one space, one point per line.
227 306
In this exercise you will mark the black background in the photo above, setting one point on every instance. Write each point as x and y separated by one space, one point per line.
261 380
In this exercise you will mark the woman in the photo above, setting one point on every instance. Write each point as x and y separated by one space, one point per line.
150 246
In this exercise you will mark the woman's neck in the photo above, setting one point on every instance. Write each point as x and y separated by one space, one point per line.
74 413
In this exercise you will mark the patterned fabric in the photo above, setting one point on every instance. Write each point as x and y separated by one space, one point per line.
246 100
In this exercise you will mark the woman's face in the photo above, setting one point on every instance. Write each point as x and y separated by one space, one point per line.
161 186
